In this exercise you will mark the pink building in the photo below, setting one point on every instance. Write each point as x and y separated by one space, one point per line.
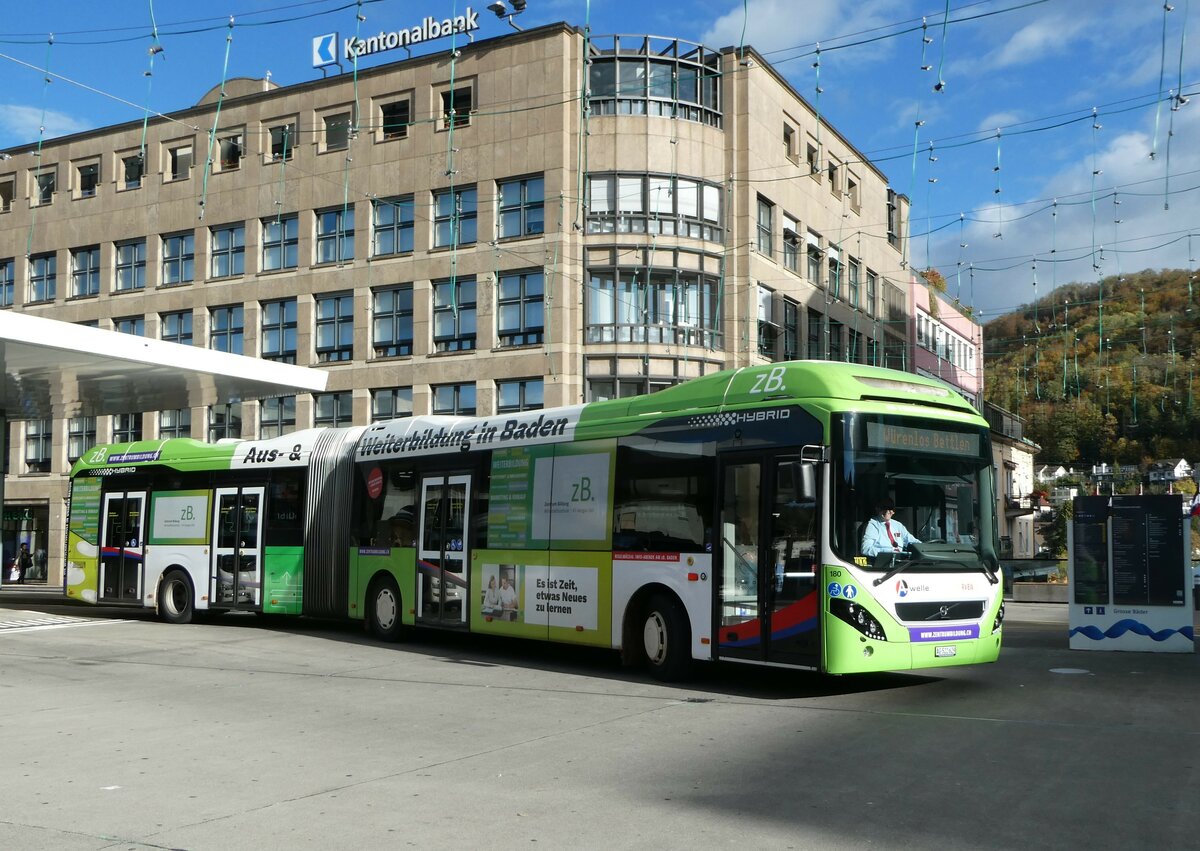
946 343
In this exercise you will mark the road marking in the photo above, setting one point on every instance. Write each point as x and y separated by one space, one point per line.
35 622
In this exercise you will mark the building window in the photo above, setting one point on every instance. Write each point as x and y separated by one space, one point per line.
85 271
395 119
454 316
81 436
454 212
175 423
789 142
228 251
852 193
337 131
180 162
335 327
39 440
392 321
132 325
521 207
47 185
835 340
176 327
131 265
524 394
854 282
791 244
768 331
178 258
225 422
392 226
279 330
814 258
816 351
43 277
602 389
283 141
126 428
520 308
636 305
7 271
335 235
652 76
8 189
832 169
835 273
791 330
334 409
893 219
280 239
456 107
673 206
390 403
454 399
872 292
766 225
225 329
230 152
133 167
277 417
89 179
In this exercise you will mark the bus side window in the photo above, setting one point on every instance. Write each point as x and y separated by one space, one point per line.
662 502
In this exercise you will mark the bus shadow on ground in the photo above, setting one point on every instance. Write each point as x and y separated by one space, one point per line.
727 679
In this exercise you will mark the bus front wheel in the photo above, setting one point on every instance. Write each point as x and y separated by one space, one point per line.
175 598
385 610
665 639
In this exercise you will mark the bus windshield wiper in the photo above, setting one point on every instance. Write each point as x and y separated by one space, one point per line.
898 565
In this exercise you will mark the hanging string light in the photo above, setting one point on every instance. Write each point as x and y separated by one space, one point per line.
999 234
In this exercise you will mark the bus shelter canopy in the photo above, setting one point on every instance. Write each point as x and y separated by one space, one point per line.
58 369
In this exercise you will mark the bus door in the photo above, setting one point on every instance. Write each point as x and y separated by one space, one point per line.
236 579
443 542
122 547
768 605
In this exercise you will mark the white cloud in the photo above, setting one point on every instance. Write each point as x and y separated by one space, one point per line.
772 25
999 120
21 124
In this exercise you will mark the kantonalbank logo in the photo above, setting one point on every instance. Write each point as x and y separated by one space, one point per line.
429 29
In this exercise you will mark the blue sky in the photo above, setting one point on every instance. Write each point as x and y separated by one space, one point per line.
1021 79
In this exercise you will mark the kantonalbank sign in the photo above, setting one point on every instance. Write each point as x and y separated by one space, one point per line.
430 28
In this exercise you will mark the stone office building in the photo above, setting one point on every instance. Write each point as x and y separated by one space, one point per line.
459 232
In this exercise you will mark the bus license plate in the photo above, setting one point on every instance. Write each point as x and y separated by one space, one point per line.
945 651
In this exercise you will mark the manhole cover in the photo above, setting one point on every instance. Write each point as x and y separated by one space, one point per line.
1069 671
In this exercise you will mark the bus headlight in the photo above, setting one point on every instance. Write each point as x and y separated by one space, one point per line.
857 617
999 622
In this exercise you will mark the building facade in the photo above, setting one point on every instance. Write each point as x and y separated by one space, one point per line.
537 219
946 342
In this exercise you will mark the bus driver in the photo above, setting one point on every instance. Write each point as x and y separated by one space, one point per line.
883 533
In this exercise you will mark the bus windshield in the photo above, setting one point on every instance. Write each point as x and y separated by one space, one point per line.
933 472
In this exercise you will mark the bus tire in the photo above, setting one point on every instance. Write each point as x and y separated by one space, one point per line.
384 611
665 639
175 599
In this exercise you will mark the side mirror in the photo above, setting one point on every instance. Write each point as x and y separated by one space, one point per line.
805 473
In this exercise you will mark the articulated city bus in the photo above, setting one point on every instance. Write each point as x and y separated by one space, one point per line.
720 519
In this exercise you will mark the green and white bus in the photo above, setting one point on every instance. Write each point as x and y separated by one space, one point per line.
719 519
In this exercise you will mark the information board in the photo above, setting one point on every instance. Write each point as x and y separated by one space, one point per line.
1130 580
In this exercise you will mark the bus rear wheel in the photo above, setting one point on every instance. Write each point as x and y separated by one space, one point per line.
384 602
175 598
665 639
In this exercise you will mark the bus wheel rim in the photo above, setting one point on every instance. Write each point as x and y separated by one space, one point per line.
385 608
654 636
175 592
